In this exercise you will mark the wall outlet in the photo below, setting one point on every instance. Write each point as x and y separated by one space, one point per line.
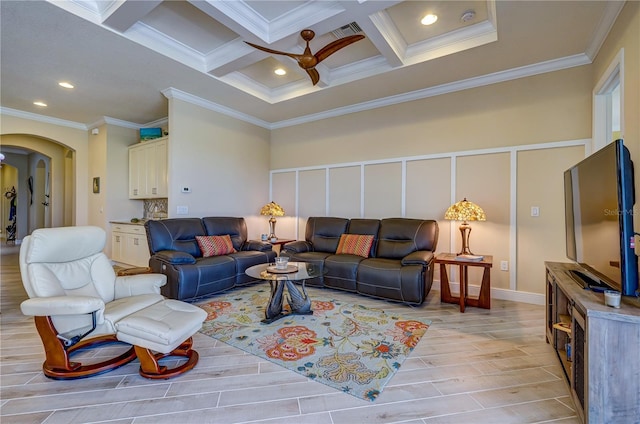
504 265
182 210
535 211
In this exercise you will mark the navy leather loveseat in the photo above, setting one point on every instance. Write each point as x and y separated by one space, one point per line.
176 252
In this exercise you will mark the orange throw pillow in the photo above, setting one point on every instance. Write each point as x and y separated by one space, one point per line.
215 245
355 244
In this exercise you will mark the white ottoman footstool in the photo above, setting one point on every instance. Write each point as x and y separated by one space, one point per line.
166 328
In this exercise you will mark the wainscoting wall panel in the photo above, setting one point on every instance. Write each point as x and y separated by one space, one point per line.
383 190
345 191
425 186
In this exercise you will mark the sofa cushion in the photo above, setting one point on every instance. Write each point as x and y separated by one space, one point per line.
400 236
206 276
341 271
235 227
215 245
355 244
174 234
324 232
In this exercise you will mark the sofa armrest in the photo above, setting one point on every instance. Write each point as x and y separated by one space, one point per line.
419 257
61 305
260 246
174 257
298 246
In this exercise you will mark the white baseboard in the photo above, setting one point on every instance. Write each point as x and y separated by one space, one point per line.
496 293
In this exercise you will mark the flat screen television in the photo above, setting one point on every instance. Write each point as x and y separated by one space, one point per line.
599 199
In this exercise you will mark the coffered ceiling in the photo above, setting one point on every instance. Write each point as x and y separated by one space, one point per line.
125 57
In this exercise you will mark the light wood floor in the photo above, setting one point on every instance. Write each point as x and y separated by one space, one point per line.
483 366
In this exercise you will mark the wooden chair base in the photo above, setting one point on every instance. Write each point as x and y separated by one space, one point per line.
58 365
150 367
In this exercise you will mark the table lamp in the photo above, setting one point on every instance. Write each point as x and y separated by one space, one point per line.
465 211
272 209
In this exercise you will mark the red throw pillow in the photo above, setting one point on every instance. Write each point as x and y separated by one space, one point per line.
215 245
355 244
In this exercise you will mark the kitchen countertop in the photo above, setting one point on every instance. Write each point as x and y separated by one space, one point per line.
128 221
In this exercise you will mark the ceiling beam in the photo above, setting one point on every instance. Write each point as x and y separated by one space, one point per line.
123 14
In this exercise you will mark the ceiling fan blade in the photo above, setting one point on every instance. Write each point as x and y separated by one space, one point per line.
268 50
314 75
334 46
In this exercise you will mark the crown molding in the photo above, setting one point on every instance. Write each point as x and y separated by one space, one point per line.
153 39
612 10
162 122
173 93
42 118
77 125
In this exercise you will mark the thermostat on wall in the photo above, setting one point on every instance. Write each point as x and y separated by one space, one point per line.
185 190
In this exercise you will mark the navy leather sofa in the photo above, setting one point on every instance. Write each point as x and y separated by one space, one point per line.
399 266
175 253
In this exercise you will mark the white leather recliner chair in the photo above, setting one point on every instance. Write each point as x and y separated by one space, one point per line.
78 302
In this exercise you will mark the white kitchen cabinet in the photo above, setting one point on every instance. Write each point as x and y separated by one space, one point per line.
148 169
129 245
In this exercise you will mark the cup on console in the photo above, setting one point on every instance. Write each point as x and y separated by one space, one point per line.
612 298
282 262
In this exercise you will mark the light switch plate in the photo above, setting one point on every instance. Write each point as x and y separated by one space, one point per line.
182 210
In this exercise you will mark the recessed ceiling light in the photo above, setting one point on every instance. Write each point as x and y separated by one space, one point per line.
429 19
39 103
280 72
65 84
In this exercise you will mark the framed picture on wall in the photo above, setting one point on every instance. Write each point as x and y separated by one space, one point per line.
96 184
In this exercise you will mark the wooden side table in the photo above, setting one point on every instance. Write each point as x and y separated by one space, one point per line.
279 243
484 299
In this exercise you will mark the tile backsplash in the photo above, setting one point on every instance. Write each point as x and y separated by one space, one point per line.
155 208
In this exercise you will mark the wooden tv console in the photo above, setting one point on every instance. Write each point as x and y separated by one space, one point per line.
598 347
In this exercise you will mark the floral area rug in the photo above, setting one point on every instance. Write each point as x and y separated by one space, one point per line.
353 348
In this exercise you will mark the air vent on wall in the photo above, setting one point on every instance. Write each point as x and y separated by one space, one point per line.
350 29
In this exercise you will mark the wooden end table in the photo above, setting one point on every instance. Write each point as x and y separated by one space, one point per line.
278 244
484 299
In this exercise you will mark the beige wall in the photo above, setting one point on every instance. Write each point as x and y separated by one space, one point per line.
626 35
543 108
109 161
542 236
417 158
223 160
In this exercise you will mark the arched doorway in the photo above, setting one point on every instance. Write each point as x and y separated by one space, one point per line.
8 203
44 180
